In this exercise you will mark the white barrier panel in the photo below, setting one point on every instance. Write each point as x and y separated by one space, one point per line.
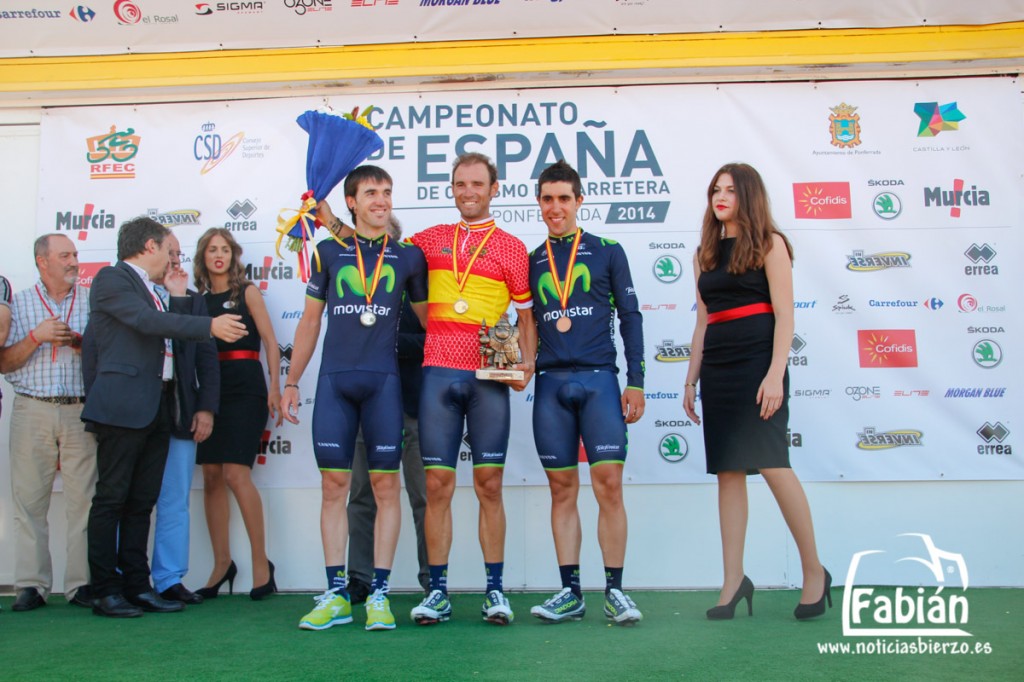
902 200
59 27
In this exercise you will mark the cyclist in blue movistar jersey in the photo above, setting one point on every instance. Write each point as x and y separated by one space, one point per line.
361 280
579 283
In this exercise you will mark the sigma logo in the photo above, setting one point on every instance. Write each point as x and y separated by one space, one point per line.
812 393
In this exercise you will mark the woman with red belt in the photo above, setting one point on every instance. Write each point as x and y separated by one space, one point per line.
228 455
743 273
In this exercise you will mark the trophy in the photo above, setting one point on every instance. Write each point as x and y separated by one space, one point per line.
499 348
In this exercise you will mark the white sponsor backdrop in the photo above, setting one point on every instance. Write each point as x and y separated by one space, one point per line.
942 303
60 27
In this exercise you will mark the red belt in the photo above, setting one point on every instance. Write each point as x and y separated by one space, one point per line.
238 355
737 313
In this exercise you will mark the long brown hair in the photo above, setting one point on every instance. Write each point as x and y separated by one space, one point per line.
236 271
753 216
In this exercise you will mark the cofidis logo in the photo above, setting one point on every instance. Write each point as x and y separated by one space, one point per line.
821 200
887 347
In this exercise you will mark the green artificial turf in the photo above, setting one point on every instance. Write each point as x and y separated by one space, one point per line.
233 638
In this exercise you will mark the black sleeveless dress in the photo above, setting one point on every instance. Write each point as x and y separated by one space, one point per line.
736 358
242 418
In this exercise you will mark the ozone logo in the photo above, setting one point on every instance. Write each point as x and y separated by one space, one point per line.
127 12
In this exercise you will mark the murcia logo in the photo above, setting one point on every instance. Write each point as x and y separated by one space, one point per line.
987 354
844 125
110 154
668 269
994 432
936 118
673 448
668 351
957 197
912 612
88 219
272 446
887 205
871 439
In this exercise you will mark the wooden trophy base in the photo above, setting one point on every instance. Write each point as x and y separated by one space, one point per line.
492 374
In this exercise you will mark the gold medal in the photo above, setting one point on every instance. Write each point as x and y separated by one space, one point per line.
563 325
461 307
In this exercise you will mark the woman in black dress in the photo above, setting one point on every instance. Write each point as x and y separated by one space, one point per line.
228 455
743 272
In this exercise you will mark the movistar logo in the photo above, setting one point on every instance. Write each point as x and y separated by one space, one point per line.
546 283
350 276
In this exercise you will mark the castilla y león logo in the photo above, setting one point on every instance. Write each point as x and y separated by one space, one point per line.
921 611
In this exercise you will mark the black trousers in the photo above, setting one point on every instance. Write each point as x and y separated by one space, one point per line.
130 469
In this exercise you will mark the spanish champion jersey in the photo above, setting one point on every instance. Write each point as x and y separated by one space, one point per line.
599 286
500 273
348 344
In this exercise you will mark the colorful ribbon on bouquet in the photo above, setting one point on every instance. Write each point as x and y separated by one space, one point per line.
287 218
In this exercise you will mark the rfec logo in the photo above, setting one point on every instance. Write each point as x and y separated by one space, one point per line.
887 347
673 448
110 154
821 200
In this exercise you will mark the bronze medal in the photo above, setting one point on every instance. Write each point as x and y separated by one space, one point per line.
564 324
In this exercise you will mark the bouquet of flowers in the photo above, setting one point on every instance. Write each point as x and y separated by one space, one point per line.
337 144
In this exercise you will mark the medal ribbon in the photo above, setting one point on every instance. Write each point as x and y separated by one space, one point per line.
461 280
562 289
67 320
377 269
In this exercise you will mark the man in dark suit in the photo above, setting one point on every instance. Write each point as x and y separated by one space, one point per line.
130 403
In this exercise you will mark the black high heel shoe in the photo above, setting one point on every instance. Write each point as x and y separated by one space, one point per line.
805 611
229 578
268 588
726 611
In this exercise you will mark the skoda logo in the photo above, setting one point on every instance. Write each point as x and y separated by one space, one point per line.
673 448
668 269
987 354
887 206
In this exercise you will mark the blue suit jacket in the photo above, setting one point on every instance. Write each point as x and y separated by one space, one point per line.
122 387
197 370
